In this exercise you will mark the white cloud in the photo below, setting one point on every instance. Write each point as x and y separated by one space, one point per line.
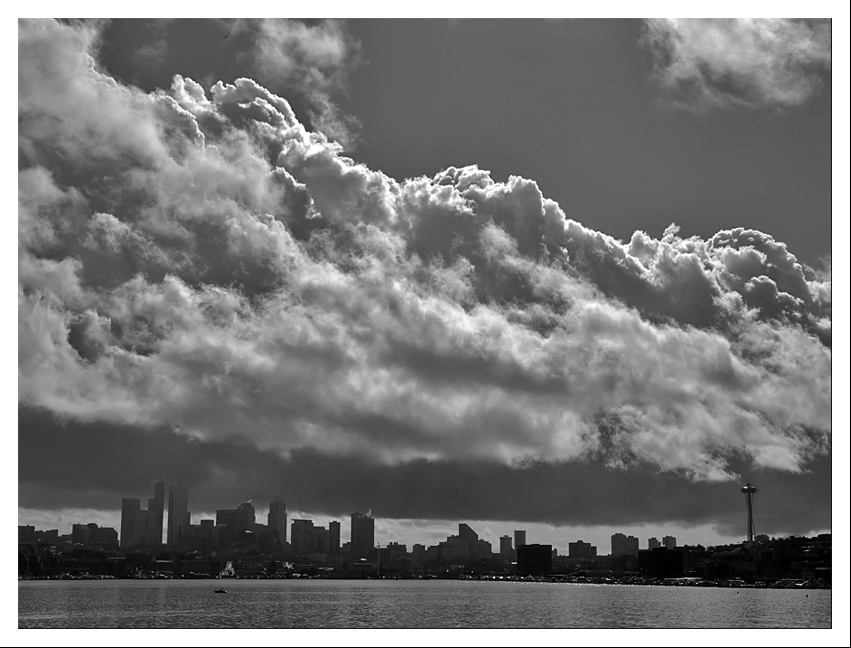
313 62
703 64
231 273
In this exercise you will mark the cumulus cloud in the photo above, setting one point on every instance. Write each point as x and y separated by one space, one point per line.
703 64
311 62
199 260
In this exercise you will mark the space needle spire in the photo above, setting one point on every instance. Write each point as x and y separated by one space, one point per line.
749 491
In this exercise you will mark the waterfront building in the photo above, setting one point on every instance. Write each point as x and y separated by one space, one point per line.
505 550
661 563
623 545
534 560
334 538
143 527
318 540
301 534
130 509
519 539
154 518
245 518
418 554
26 533
484 549
277 520
581 550
470 537
362 536
178 515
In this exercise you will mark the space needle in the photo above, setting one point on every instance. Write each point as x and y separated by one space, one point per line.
749 491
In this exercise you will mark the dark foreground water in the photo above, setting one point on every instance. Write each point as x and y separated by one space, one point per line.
409 604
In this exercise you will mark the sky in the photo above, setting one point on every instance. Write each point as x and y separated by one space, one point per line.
572 277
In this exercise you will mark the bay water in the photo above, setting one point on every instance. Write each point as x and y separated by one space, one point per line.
308 604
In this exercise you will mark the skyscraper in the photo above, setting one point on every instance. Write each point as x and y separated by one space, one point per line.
334 538
363 536
130 508
670 542
519 539
301 536
154 521
178 514
277 520
245 517
466 533
143 527
505 549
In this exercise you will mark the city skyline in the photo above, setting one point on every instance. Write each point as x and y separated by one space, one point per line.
582 289
427 532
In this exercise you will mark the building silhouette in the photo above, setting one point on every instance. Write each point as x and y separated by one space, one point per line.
234 524
154 526
178 515
334 538
143 527
623 545
581 550
519 539
470 538
505 549
653 543
362 536
130 512
669 542
277 521
319 540
301 536
534 560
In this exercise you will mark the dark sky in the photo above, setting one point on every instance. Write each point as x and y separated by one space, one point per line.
423 268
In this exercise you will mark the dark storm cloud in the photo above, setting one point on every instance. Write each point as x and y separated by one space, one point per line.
65 463
201 260
703 64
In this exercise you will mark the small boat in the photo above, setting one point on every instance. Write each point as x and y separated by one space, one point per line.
221 591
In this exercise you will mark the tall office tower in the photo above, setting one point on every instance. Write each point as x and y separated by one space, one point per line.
505 547
470 537
653 543
245 517
519 539
277 520
334 538
319 540
178 514
670 542
301 535
154 522
363 536
130 508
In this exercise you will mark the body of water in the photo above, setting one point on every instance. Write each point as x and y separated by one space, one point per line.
409 604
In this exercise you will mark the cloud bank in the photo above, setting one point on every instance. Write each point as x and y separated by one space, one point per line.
199 262
310 62
703 64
